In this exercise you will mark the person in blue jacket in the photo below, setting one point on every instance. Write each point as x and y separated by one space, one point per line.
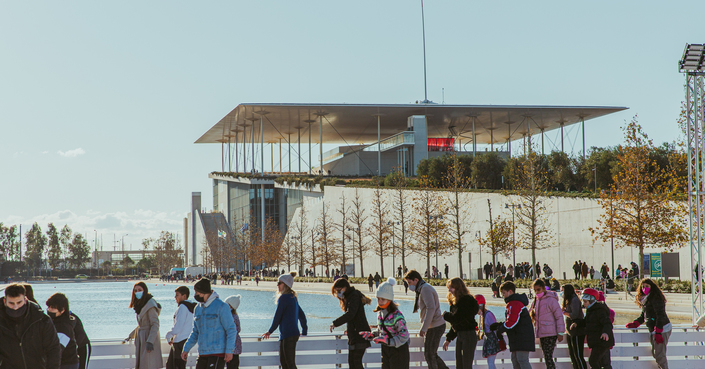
287 319
213 329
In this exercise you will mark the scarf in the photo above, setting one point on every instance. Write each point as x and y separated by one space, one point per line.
141 302
418 292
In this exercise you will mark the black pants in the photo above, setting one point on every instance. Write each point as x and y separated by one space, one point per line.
210 362
174 361
576 346
234 363
600 358
395 357
287 352
84 355
465 349
355 358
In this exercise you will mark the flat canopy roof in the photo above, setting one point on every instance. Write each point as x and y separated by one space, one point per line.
357 123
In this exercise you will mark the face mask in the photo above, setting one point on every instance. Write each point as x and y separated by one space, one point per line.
412 288
51 315
540 295
646 290
340 295
16 313
138 295
199 298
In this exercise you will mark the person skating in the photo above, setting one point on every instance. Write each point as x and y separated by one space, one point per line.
490 343
598 330
463 308
652 302
183 325
573 312
432 324
82 341
547 316
352 302
234 303
517 325
391 331
213 329
287 319
28 336
148 348
58 309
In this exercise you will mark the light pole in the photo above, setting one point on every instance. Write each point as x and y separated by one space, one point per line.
123 255
478 236
594 170
514 248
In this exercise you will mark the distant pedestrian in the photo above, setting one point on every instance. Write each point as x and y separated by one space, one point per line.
352 303
183 326
234 303
377 279
445 269
592 272
148 348
584 270
433 326
604 271
653 312
58 310
370 282
213 329
576 270
287 319
463 308
28 336
391 333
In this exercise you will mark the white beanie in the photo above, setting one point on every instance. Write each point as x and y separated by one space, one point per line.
386 289
233 301
287 279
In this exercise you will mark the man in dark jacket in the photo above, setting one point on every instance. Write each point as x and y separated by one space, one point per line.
598 329
58 310
488 270
28 336
518 325
83 342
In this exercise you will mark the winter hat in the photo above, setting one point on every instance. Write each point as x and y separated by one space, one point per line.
233 301
287 279
600 296
590 294
203 286
386 289
480 299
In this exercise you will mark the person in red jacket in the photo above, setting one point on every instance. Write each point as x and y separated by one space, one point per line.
520 330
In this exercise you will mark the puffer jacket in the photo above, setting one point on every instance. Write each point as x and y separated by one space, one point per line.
395 324
548 317
213 328
596 322
520 331
30 344
653 313
354 317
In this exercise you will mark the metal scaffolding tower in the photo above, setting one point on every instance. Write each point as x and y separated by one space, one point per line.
692 65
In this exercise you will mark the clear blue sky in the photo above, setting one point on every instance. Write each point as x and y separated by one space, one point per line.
100 102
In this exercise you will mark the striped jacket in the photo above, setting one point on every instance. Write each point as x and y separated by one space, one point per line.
393 323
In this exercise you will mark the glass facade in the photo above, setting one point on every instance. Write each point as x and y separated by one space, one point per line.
246 202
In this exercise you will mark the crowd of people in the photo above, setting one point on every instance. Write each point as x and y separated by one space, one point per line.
55 339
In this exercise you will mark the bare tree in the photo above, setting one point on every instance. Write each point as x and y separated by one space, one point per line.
343 227
326 238
429 227
359 219
459 211
299 230
401 206
380 229
287 255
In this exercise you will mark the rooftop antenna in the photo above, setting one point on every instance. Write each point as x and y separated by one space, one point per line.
423 30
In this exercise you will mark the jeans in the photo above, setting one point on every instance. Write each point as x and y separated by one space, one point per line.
600 358
210 362
395 357
658 350
234 363
520 360
576 346
287 352
355 358
174 361
465 349
430 347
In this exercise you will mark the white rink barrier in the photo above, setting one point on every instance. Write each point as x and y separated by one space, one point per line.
632 350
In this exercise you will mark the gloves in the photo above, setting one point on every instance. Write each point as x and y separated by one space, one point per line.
367 335
383 339
150 346
446 315
633 324
657 335
495 325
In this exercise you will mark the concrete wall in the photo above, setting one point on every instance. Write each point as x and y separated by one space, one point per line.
568 218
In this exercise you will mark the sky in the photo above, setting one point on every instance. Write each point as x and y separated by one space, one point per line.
100 102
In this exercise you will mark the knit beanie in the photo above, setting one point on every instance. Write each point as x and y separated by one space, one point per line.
203 286
233 301
386 289
287 279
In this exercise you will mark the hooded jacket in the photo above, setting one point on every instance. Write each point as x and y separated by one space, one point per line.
520 331
355 317
548 317
64 325
32 343
596 322
213 328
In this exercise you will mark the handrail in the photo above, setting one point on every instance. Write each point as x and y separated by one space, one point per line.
399 139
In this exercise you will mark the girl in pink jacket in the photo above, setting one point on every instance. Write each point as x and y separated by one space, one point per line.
548 321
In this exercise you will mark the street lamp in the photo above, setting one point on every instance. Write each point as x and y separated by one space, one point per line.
478 236
123 255
514 248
